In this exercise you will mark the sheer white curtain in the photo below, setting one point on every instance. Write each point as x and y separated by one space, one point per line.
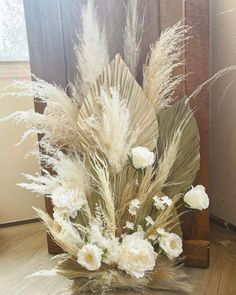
13 40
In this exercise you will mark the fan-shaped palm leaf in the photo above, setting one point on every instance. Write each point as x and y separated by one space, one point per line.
186 159
116 116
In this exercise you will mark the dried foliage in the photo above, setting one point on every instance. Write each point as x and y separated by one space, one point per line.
159 81
168 277
133 35
57 123
178 147
91 49
115 116
105 209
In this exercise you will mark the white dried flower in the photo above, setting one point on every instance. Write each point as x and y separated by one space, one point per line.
166 200
112 251
197 198
134 206
70 201
149 220
136 255
162 202
68 232
109 245
129 225
141 157
161 231
90 256
171 244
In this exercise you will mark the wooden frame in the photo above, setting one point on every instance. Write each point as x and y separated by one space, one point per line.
52 26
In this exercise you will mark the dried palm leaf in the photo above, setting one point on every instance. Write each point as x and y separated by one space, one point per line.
181 170
115 116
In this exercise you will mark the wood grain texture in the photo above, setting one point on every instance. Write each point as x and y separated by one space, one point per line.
197 63
23 251
196 253
47 57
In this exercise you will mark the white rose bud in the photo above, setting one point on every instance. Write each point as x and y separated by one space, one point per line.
197 198
141 157
90 256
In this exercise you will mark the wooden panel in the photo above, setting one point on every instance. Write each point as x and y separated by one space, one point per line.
196 15
196 253
197 63
171 11
47 61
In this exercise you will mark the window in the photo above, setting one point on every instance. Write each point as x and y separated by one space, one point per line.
13 40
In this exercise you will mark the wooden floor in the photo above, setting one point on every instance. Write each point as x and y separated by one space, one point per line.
23 251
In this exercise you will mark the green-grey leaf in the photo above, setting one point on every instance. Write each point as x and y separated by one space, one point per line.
187 163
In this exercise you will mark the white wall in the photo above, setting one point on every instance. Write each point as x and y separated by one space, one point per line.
223 112
15 202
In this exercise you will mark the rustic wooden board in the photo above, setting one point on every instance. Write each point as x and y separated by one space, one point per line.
197 63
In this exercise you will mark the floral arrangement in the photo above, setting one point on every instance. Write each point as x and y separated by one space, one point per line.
118 160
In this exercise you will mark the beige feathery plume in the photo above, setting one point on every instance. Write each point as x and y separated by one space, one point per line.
133 35
67 238
159 84
57 123
102 182
69 173
110 128
116 116
91 51
169 156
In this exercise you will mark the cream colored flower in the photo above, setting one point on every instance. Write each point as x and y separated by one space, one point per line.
149 220
197 198
129 225
70 201
141 157
161 231
162 202
90 256
171 244
136 255
134 206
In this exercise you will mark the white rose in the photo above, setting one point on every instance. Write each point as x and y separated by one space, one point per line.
197 198
171 244
90 256
136 255
141 157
